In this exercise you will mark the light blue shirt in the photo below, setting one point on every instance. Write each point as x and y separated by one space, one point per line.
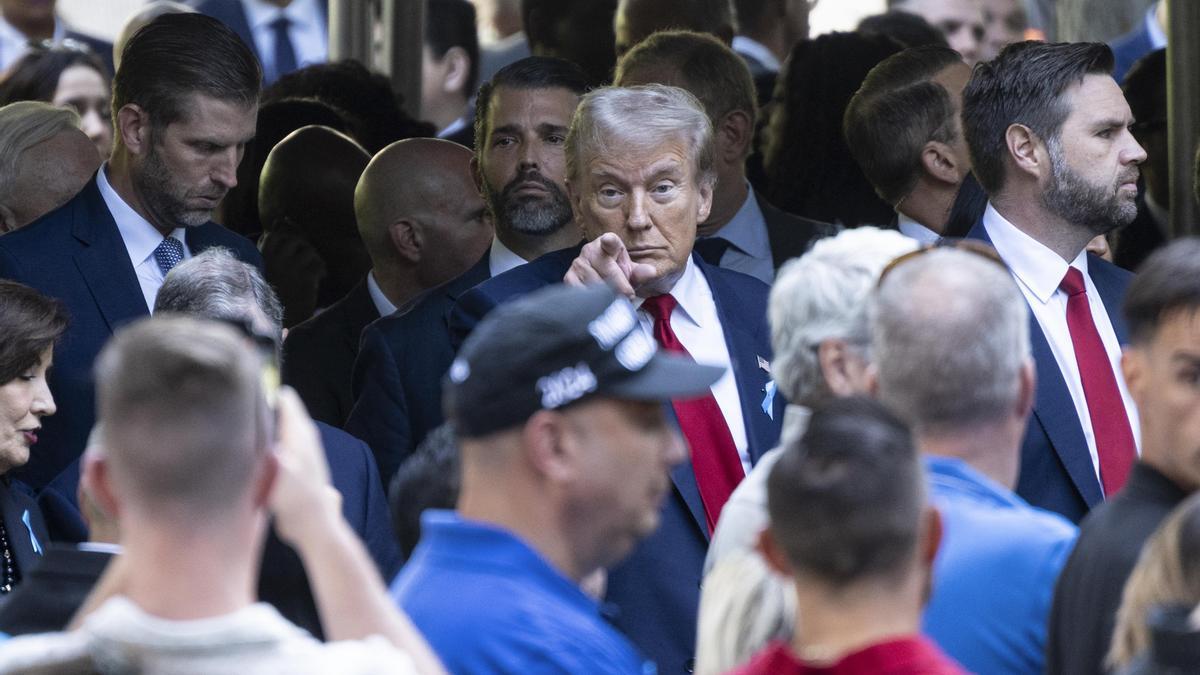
306 30
994 575
751 249
488 603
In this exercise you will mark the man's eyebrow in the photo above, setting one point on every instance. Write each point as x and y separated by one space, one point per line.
507 129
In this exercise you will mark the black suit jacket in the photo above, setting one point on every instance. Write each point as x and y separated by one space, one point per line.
654 593
282 581
76 254
318 355
790 236
1090 587
398 374
23 522
54 590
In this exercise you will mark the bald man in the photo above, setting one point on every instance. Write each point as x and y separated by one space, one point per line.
44 161
423 223
636 20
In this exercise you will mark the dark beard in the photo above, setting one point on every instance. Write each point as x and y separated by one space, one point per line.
530 215
1099 209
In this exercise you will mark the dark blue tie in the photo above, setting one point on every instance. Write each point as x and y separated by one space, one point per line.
285 53
712 249
168 254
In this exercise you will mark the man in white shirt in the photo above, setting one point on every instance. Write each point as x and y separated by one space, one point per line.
284 34
185 102
1048 131
903 128
192 464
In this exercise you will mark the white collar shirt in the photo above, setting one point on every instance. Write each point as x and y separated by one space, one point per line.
750 252
757 51
916 231
307 31
501 258
381 302
1038 272
698 326
140 239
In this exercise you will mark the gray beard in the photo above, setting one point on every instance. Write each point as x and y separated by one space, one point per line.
537 217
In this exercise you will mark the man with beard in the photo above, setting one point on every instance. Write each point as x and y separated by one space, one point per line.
521 123
184 106
1048 132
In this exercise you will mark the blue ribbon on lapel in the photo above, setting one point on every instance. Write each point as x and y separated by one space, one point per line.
770 399
25 518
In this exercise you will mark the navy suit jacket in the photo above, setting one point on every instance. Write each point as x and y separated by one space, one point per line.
282 581
398 373
319 354
1128 48
232 14
1056 466
27 533
76 254
790 236
654 594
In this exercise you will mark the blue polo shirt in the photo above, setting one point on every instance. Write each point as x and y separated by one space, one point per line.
994 575
488 603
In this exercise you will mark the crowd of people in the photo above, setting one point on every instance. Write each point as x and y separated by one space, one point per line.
660 337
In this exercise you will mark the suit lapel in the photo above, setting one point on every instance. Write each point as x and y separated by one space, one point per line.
359 310
683 476
1112 291
104 261
20 534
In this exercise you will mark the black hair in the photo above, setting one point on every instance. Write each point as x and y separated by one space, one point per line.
34 76
451 23
580 31
534 72
909 29
1167 282
30 322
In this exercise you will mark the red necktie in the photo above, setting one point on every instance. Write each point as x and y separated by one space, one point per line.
715 459
1110 423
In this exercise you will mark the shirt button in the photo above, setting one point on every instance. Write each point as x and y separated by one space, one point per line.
689 666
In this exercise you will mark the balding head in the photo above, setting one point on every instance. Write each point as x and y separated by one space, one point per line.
420 212
44 161
306 190
636 20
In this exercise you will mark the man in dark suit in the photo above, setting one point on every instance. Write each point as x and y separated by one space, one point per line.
423 223
744 232
215 285
519 168
185 103
450 69
1048 131
641 180
1148 35
903 128
289 35
1161 308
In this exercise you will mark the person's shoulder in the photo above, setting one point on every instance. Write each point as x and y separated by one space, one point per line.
371 655
1100 269
774 659
45 232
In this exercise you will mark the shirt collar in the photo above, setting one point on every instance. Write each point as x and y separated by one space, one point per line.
952 473
260 13
747 230
1036 267
756 50
454 127
685 291
140 237
914 230
1158 39
381 302
501 258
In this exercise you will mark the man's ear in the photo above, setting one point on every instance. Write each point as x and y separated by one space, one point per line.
97 481
704 206
133 128
773 553
833 356
1026 150
406 239
938 161
548 446
456 67
735 133
932 539
1133 367
1028 387
8 219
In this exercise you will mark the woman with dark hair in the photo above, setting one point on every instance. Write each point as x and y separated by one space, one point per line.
30 324
67 75
809 169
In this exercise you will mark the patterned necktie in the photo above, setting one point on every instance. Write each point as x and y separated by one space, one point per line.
285 52
1106 408
168 254
711 249
715 459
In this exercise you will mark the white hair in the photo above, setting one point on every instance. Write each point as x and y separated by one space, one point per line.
950 334
610 120
822 295
744 605
23 125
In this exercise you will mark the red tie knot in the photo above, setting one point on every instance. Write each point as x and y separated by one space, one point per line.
1072 284
659 307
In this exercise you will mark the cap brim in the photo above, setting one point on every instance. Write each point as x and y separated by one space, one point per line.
666 377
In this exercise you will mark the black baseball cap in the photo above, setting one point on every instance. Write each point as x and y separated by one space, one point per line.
555 347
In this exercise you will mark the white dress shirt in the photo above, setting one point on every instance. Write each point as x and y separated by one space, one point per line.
381 302
14 44
307 31
140 237
1038 272
916 231
757 51
501 259
751 249
698 328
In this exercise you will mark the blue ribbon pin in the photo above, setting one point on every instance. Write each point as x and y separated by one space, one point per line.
769 399
37 547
